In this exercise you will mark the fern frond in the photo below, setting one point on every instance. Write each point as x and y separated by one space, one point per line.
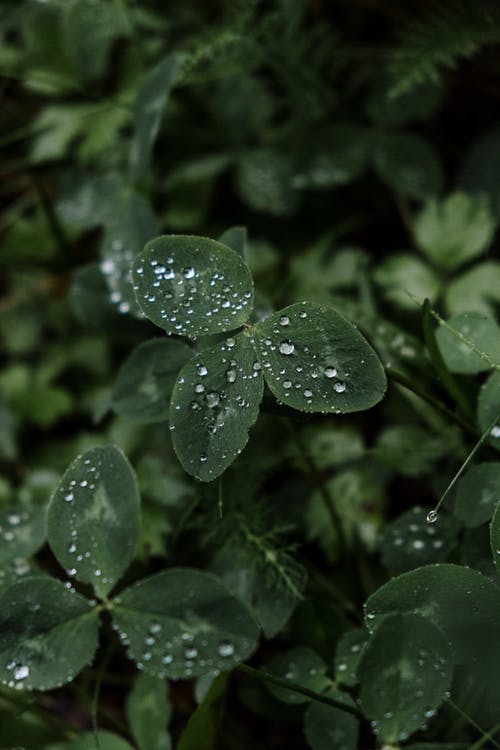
455 30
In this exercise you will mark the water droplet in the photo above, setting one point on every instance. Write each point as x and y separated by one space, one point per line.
203 457
286 347
212 399
201 370
189 273
308 393
226 648
495 431
330 372
231 375
69 497
284 320
340 387
21 672
432 516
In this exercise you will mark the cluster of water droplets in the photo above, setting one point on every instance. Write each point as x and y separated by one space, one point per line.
409 535
13 526
298 369
182 298
19 672
116 268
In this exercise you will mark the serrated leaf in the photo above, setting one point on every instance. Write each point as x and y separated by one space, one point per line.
144 383
477 494
93 518
215 401
326 727
192 285
313 359
347 655
22 532
203 730
409 541
405 671
455 230
183 623
488 407
47 634
301 665
151 100
148 713
408 164
481 331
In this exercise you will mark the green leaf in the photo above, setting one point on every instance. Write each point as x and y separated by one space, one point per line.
495 537
22 532
89 297
148 712
215 401
236 239
192 285
203 730
459 356
102 740
477 290
151 101
93 518
488 407
463 603
409 450
335 157
408 164
327 728
387 110
301 665
184 623
47 634
455 230
144 383
409 541
313 359
405 671
347 655
264 182
403 277
477 494
479 172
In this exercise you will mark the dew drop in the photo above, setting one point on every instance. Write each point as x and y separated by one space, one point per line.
330 372
226 648
189 273
284 320
432 516
286 347
21 672
340 387
202 370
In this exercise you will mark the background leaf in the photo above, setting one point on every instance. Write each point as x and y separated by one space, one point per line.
477 494
326 727
481 331
93 518
148 712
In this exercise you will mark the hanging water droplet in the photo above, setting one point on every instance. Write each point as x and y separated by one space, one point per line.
432 516
286 347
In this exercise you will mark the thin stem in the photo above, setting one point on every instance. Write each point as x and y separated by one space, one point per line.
487 736
272 679
465 464
470 720
401 379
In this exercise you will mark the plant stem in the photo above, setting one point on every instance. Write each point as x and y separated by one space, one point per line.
484 735
272 679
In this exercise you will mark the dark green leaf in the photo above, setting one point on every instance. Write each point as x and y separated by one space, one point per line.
93 518
47 634
335 157
409 541
22 532
488 407
192 285
408 164
405 671
313 359
144 383
152 98
478 493
148 712
403 277
495 537
236 239
348 654
183 623
215 401
484 335
203 730
476 290
301 665
106 740
327 728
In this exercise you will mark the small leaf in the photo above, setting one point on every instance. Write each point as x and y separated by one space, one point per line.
483 332
333 157
477 494
404 276
455 230
408 164
236 239
405 671
313 359
184 623
47 634
476 290
192 285
151 100
93 518
328 728
203 730
495 537
215 401
264 182
301 665
409 541
148 712
488 407
347 655
22 532
145 380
